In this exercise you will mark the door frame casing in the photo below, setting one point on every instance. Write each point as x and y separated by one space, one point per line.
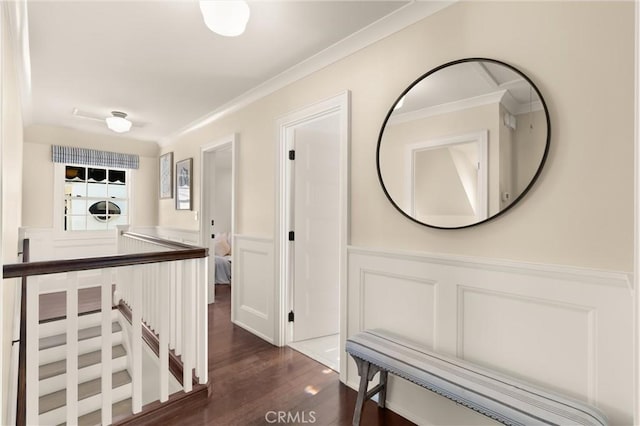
636 219
229 141
480 138
338 104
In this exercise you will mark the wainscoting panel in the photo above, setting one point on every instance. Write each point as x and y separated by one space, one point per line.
48 244
185 236
565 329
518 332
253 285
402 304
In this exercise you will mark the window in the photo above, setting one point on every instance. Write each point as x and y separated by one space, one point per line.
95 198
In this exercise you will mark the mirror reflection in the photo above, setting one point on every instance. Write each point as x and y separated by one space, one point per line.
463 143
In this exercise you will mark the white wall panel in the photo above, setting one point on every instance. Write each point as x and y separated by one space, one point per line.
185 236
402 304
253 285
565 329
253 290
529 338
47 244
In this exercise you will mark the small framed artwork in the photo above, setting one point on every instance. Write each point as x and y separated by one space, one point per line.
183 184
166 175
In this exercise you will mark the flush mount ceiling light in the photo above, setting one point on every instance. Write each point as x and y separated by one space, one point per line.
118 122
225 17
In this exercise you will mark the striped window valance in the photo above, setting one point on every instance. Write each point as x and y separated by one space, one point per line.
93 157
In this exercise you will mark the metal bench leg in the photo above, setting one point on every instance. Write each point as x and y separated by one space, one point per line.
363 370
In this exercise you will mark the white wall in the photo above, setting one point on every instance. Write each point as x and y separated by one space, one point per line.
12 139
567 60
38 172
579 213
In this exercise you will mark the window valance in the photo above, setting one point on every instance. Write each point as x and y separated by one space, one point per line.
93 157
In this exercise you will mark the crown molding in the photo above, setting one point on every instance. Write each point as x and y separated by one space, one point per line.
403 17
476 101
501 96
16 19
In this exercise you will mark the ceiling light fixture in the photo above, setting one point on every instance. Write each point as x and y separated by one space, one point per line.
118 122
225 17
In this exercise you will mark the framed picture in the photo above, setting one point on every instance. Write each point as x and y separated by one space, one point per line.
183 184
166 175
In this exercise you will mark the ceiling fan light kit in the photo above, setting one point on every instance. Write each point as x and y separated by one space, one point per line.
118 122
225 17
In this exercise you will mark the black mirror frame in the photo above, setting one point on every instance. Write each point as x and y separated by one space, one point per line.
533 179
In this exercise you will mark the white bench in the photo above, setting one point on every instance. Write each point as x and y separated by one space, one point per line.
495 395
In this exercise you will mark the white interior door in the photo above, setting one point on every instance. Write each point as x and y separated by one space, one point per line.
221 207
210 200
316 221
217 202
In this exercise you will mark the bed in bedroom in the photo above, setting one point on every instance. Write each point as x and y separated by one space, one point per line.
223 269
222 259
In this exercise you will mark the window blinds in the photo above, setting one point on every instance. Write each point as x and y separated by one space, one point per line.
93 157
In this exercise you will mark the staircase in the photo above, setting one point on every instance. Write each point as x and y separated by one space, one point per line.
52 372
168 336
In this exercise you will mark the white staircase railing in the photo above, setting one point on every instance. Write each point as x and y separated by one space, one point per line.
164 286
171 299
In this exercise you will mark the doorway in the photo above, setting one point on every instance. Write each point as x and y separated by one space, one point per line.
314 219
217 210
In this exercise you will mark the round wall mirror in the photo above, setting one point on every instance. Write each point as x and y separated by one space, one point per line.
463 143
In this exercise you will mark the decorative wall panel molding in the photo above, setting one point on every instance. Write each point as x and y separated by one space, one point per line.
566 329
48 244
253 285
185 236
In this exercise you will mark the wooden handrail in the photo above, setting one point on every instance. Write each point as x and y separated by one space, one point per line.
57 266
155 240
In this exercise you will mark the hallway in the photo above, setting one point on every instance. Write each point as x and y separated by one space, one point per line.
253 381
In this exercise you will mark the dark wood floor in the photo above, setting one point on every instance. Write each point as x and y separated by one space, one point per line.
252 379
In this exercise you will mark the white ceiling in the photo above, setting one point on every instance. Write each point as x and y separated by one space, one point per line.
156 60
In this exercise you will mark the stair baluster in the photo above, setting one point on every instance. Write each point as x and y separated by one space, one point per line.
106 300
136 341
72 346
33 350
